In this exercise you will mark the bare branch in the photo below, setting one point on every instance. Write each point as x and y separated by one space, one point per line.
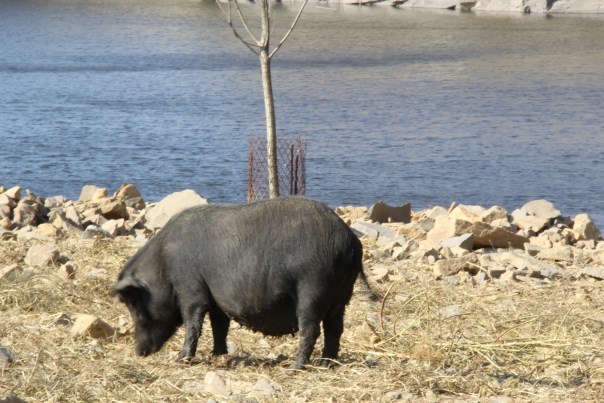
227 13
244 21
291 29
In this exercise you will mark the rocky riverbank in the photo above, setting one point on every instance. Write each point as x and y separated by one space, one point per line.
474 303
518 6
535 242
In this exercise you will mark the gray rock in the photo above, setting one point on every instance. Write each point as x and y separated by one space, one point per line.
94 232
405 250
7 356
444 268
450 311
465 241
522 261
42 255
372 230
594 271
480 277
531 249
383 213
557 253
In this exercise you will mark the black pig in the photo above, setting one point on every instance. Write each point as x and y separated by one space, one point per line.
276 266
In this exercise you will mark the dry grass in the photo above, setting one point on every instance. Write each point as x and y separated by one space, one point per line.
525 341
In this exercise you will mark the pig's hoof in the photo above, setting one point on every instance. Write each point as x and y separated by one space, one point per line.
184 359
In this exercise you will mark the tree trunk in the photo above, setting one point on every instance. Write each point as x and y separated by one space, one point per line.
269 105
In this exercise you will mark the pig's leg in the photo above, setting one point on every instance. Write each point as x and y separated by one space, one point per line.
193 316
333 326
310 329
220 327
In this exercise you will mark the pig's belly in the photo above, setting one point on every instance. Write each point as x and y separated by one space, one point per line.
276 319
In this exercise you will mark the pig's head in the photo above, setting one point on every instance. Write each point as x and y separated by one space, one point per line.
154 311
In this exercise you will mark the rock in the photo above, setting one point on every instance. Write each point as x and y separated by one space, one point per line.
588 244
127 191
507 276
115 227
14 193
436 211
484 234
444 268
383 213
350 214
465 241
531 249
442 4
521 6
25 214
91 192
72 215
496 270
49 230
528 263
54 202
400 395
67 271
6 200
541 241
558 253
7 270
542 209
531 222
192 387
378 272
7 356
113 209
12 399
505 224
585 228
91 326
404 251
172 204
373 231
467 213
263 387
594 271
42 255
94 232
450 311
6 224
216 384
494 213
577 6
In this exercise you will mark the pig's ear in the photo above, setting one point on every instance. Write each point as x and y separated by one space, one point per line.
126 288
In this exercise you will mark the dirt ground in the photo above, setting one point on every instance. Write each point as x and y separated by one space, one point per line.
425 340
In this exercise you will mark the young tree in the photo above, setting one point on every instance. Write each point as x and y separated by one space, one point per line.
261 46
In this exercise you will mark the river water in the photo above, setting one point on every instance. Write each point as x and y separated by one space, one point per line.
426 107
